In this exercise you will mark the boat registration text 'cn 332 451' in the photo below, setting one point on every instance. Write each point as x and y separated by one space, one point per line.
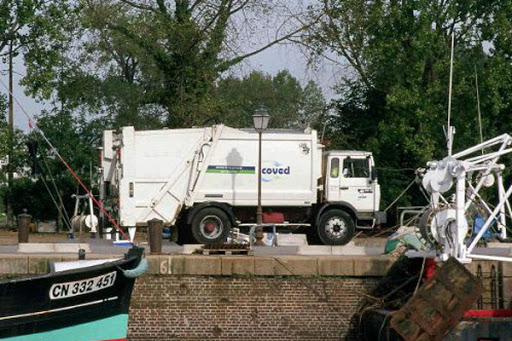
85 286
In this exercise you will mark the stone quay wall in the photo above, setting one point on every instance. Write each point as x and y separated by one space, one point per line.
188 297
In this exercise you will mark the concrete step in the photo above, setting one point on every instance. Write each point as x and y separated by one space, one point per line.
288 239
350 249
52 247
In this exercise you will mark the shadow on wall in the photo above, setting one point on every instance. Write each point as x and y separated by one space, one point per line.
234 159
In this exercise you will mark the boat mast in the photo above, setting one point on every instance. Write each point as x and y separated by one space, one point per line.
450 130
10 139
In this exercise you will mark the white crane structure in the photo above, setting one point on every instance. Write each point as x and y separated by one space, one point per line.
448 222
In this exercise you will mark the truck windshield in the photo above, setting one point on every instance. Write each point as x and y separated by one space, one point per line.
356 168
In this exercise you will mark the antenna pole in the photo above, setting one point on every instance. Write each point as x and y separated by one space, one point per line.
10 138
449 137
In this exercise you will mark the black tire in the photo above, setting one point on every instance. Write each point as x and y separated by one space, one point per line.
211 225
336 227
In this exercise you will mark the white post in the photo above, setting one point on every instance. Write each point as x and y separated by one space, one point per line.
131 232
503 219
490 219
487 172
91 216
461 224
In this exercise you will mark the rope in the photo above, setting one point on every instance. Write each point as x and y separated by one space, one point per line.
401 194
382 326
55 201
387 169
60 207
420 276
65 215
84 187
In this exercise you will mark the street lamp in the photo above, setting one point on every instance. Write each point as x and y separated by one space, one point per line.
260 119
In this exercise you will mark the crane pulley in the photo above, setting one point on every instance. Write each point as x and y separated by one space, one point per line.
447 224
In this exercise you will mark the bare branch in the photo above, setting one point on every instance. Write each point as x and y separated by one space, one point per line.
139 6
226 64
195 4
240 7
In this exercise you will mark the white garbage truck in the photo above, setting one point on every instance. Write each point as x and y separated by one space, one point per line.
206 179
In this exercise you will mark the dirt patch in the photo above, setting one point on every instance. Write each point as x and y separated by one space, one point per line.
11 238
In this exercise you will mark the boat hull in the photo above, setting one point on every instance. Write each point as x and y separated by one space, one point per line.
108 329
87 304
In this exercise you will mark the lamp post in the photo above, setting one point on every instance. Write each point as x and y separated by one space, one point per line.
260 119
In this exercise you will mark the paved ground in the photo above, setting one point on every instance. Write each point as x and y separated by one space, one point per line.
361 246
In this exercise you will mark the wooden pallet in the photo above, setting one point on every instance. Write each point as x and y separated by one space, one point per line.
227 252
439 303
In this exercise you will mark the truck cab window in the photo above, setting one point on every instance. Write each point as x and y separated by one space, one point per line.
335 167
356 168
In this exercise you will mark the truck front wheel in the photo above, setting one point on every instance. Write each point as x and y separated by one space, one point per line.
211 225
336 227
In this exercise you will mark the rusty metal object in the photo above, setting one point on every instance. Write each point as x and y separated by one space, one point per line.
439 304
155 230
226 249
24 220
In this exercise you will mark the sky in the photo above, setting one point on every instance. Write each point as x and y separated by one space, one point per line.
289 57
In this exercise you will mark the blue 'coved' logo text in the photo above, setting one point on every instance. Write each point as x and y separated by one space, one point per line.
274 172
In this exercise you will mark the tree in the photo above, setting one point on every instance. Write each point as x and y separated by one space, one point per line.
50 187
150 64
393 100
32 28
289 104
37 30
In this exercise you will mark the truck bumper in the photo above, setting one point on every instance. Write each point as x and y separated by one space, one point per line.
380 217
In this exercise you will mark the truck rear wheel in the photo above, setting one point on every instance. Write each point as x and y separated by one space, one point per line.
211 225
336 227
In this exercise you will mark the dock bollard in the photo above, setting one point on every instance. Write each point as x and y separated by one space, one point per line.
155 229
24 220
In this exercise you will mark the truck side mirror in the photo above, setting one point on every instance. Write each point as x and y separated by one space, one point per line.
374 174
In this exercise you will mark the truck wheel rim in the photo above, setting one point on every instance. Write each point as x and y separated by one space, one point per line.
336 227
211 227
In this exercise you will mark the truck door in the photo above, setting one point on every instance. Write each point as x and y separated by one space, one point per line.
333 178
356 184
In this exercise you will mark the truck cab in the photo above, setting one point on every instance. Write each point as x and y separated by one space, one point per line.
351 196
351 180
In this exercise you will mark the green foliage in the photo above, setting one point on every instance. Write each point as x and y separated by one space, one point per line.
289 104
76 139
32 195
37 29
396 105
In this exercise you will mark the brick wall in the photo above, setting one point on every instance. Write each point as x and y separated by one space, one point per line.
170 307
